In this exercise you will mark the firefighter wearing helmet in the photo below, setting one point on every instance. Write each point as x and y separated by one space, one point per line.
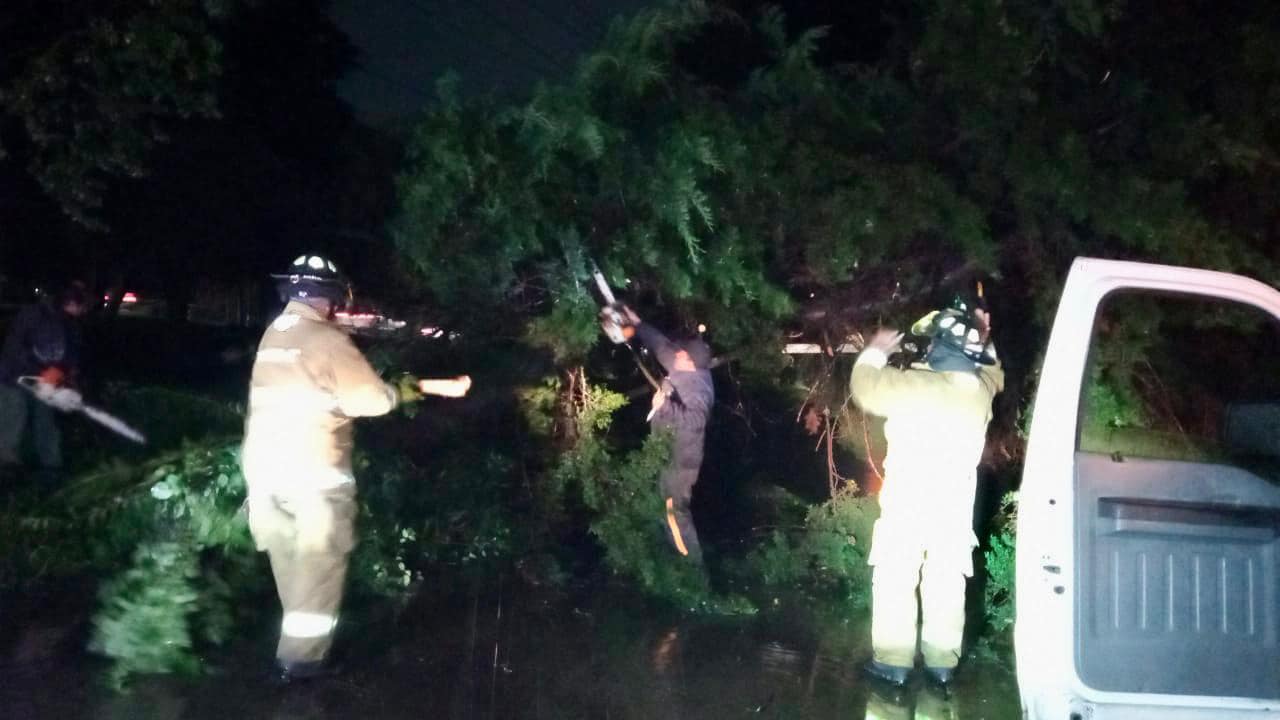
309 382
936 414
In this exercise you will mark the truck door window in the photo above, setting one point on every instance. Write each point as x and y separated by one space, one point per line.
1180 377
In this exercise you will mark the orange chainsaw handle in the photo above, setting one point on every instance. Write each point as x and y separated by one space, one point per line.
53 375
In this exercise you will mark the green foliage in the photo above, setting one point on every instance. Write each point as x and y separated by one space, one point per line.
145 620
999 593
620 490
168 416
455 514
96 520
196 561
190 532
95 96
828 552
169 532
169 535
989 138
1110 406
538 407
838 539
585 170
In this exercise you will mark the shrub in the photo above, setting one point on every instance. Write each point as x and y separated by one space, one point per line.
828 551
1001 572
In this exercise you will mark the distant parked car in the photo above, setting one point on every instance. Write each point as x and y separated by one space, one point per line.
367 319
136 305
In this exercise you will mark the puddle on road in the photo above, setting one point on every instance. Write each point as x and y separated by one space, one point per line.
518 653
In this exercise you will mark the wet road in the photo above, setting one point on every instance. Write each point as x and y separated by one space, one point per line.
499 650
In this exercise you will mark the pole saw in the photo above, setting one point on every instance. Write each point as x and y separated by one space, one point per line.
613 323
68 400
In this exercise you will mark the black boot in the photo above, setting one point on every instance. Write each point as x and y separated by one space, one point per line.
895 675
940 675
289 673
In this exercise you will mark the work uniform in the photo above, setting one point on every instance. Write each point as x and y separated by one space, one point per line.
689 398
41 336
309 380
935 426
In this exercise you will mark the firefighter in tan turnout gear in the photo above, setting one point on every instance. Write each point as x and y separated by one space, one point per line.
309 381
936 416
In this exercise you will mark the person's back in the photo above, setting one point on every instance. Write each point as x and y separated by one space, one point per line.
692 394
935 430
936 418
308 382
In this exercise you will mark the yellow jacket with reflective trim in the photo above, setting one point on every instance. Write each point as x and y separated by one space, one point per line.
309 380
935 427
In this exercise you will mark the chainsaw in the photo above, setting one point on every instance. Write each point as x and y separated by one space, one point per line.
611 319
618 329
68 400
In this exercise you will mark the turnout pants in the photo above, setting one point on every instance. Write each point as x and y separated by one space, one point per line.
18 410
676 484
937 566
308 538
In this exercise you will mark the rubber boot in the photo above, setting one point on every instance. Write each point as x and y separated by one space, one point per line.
302 671
940 675
895 675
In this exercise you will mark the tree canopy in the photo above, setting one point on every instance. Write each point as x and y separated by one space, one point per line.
986 138
88 88
142 140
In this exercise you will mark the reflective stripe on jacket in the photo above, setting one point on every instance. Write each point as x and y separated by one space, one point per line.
309 380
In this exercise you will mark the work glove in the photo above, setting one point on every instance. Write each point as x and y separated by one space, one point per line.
886 340
452 387
630 315
982 319
407 390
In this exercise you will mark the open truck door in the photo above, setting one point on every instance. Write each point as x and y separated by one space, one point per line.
1148 557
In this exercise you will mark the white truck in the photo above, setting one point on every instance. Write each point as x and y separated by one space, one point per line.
1148 560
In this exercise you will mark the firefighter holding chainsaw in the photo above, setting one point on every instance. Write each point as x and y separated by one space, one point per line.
42 346
681 405
936 414
309 382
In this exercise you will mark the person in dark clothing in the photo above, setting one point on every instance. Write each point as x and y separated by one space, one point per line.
43 341
682 406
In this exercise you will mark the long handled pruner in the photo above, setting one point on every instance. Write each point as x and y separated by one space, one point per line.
613 323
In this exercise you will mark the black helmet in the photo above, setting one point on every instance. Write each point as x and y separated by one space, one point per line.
313 276
956 340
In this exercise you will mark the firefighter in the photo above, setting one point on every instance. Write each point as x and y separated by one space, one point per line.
681 405
309 381
43 341
936 414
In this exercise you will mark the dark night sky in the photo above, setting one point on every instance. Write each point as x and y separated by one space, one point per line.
502 45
